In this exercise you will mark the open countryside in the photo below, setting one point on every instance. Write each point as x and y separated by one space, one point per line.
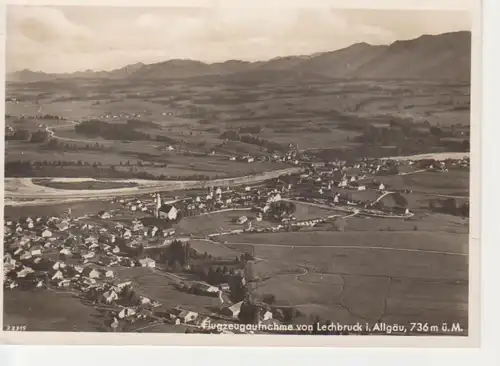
165 197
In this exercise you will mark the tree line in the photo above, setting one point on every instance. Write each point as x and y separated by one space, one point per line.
253 140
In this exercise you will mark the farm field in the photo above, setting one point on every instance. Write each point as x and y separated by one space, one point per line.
210 223
439 223
215 249
192 117
157 285
307 212
453 182
350 285
62 311
411 240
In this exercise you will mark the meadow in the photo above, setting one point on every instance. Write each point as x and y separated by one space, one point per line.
193 114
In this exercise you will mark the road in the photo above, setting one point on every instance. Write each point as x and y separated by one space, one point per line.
104 142
414 172
71 124
352 210
386 193
22 191
360 247
435 156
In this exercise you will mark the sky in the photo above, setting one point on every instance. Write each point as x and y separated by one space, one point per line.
68 39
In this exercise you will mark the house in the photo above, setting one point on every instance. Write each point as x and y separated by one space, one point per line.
185 316
110 296
361 188
104 215
224 287
168 232
122 285
205 287
89 255
147 262
65 251
64 283
126 312
144 300
381 187
242 220
343 183
91 272
58 276
36 250
62 226
265 315
9 263
137 225
25 255
168 212
46 233
109 274
22 273
233 310
274 198
78 269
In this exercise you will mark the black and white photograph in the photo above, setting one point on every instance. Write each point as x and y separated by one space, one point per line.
260 171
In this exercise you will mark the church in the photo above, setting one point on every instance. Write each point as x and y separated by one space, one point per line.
165 211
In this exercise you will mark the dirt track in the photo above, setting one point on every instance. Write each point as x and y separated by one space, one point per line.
435 156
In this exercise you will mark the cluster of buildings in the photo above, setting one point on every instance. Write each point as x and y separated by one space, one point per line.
290 157
124 115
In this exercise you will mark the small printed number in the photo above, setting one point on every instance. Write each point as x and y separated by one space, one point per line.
15 328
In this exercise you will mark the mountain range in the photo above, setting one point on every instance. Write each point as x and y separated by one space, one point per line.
445 56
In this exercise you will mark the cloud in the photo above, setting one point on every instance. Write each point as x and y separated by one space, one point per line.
44 24
148 21
58 39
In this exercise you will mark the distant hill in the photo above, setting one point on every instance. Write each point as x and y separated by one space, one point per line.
444 56
28 76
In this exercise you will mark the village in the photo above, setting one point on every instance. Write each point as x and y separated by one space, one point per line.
87 255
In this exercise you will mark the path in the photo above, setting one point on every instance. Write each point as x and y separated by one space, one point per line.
351 247
386 193
415 172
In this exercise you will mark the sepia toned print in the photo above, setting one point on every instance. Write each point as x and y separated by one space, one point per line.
285 172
